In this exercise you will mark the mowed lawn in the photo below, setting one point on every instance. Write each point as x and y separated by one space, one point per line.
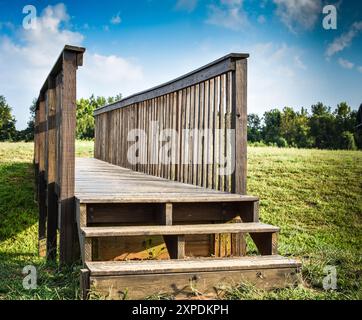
313 195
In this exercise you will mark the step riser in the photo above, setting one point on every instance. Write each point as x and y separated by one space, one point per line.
150 213
186 285
158 247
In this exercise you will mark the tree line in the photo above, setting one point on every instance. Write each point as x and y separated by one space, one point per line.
322 128
84 114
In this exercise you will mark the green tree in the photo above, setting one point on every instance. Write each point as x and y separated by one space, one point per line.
271 128
345 121
347 141
294 128
7 121
322 127
254 128
85 110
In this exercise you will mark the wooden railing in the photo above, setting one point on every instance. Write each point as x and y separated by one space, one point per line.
192 129
54 157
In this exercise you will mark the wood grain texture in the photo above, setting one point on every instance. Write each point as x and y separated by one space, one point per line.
100 182
209 118
114 268
240 125
250 227
69 245
191 284
52 208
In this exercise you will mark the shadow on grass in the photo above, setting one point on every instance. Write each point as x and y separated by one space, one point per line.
18 211
52 282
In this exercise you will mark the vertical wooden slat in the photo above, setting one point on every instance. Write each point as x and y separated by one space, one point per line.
211 135
228 127
222 131
174 135
196 144
206 136
215 107
36 153
179 136
41 178
215 181
52 209
183 140
201 135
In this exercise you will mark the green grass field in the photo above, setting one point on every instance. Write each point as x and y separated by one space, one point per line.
313 195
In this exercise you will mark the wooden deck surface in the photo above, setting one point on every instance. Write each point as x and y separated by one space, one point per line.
97 181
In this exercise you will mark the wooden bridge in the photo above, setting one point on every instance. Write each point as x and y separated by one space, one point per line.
162 207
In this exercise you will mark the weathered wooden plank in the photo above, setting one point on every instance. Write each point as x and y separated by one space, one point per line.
113 268
100 181
84 283
42 181
69 245
254 227
52 208
190 284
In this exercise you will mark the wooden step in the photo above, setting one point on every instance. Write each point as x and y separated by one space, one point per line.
250 227
102 268
184 278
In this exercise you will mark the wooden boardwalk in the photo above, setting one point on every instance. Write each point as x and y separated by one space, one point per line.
184 219
97 181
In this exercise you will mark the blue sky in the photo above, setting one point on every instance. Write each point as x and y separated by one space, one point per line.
132 45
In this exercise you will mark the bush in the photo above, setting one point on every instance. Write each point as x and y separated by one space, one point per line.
347 141
282 143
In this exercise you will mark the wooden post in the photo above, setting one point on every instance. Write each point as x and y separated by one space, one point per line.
69 243
36 153
267 243
52 214
54 156
240 125
41 178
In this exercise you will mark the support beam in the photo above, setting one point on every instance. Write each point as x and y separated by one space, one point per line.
175 244
240 125
267 243
52 208
42 182
69 243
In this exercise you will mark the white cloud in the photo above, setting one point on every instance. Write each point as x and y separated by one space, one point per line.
344 40
228 14
276 77
116 19
108 75
187 5
27 59
345 63
296 14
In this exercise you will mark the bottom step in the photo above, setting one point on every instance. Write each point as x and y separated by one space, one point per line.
185 278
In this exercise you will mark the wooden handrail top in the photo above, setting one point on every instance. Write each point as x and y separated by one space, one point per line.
210 70
57 67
